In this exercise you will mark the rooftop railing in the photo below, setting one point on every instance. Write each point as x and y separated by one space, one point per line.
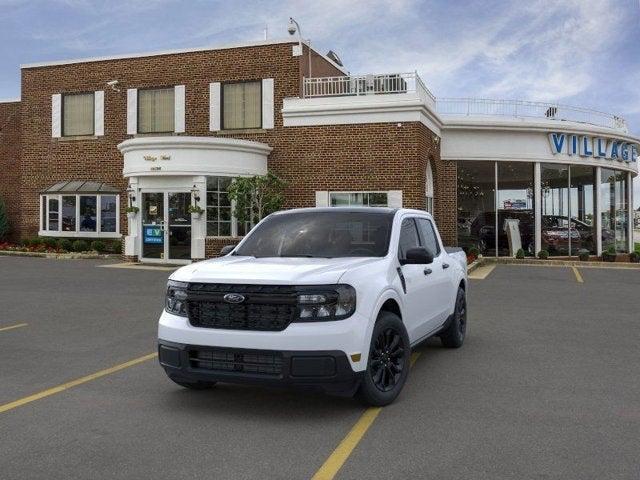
356 85
526 109
399 83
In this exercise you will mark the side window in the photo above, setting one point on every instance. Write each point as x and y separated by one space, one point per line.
429 238
408 237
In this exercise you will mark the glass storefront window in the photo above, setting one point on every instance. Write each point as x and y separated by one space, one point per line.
69 213
614 211
554 200
516 220
87 214
358 199
582 209
476 206
108 213
53 222
218 207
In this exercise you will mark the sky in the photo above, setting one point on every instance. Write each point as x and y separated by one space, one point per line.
577 52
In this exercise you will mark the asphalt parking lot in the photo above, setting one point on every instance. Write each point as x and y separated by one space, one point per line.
547 386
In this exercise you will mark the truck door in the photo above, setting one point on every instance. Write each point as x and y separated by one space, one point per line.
440 278
419 297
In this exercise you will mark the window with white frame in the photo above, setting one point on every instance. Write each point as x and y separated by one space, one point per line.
242 105
221 221
78 114
156 110
429 190
79 215
358 199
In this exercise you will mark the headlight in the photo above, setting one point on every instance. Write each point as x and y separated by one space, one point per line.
175 302
332 302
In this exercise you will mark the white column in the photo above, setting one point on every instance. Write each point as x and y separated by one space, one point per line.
537 202
132 244
598 210
630 211
199 225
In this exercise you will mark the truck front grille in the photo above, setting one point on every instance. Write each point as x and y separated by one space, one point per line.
225 360
264 308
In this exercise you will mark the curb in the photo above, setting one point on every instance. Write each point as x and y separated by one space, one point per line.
562 263
60 256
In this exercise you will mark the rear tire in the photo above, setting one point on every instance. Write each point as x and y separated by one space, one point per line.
388 363
193 385
453 335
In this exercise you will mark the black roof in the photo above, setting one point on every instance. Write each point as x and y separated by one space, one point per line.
81 186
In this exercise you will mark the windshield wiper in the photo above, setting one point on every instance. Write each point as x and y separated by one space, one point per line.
303 255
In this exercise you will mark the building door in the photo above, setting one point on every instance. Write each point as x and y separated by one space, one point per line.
166 227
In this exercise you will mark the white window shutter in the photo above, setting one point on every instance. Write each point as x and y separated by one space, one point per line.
394 198
132 111
179 99
98 113
215 111
56 115
322 199
267 103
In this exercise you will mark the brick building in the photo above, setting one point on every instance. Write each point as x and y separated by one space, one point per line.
162 131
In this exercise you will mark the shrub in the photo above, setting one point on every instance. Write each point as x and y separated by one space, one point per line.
98 246
25 242
543 254
50 242
115 246
474 252
65 244
634 257
520 254
583 254
4 221
80 246
35 241
610 254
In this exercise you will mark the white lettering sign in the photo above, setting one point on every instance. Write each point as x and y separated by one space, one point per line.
597 147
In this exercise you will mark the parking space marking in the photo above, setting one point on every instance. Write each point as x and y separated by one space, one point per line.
576 272
19 325
482 272
337 459
74 383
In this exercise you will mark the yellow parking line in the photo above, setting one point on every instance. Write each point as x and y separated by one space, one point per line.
337 459
13 326
74 383
578 275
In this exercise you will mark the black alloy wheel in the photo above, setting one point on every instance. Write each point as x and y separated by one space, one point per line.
387 359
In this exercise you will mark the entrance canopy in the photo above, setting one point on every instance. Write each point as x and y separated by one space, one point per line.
81 186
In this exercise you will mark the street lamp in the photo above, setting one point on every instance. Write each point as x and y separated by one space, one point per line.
292 29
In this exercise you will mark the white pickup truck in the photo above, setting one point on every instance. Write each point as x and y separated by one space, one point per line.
330 298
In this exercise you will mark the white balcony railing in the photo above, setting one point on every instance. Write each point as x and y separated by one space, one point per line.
526 109
356 85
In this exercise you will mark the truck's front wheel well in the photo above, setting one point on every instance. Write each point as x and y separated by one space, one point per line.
462 285
391 306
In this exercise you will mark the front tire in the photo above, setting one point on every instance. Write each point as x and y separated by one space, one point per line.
453 335
388 363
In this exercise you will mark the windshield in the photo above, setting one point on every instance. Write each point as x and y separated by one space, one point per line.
320 234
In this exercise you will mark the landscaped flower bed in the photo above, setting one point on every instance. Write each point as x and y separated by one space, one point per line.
63 245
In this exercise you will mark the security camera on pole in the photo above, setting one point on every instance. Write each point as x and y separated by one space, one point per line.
292 29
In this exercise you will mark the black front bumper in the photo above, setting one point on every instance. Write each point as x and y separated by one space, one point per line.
328 371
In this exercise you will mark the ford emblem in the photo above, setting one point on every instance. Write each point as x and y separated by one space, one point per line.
233 298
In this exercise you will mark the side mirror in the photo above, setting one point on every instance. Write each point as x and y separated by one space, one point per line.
226 250
417 256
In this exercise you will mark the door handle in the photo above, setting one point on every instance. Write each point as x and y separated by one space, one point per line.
445 265
427 271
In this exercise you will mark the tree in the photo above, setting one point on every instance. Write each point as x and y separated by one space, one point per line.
4 221
256 197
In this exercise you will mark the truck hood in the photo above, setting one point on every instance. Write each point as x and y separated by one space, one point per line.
270 271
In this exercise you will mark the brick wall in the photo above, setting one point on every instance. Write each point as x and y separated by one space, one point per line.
383 156
9 162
